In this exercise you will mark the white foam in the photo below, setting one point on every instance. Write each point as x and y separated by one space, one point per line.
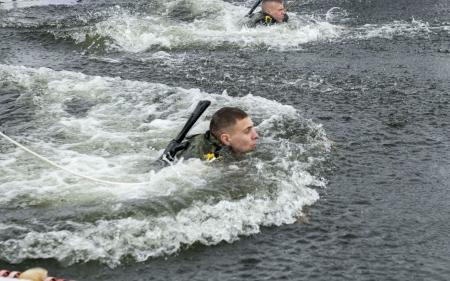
117 140
209 224
210 24
214 24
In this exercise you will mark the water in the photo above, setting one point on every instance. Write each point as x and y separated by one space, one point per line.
350 180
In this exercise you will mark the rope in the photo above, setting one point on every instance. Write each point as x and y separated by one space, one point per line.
51 163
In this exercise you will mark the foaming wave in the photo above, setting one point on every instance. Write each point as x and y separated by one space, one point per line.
141 238
114 128
191 24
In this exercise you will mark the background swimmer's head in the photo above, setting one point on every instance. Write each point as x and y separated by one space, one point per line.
234 128
274 8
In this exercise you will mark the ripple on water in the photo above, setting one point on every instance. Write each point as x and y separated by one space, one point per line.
99 126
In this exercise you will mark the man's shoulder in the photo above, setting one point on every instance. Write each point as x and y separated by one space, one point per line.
254 19
200 146
196 139
257 15
259 18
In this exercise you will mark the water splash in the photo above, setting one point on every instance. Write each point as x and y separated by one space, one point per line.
189 24
123 126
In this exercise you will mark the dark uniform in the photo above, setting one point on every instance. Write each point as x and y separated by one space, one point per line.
261 18
203 146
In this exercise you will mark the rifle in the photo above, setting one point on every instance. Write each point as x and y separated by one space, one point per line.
254 7
177 144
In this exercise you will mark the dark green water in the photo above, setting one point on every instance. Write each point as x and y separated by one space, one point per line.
371 78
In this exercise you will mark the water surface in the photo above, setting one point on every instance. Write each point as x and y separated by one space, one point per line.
350 180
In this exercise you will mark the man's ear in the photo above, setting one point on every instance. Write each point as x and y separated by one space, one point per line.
225 139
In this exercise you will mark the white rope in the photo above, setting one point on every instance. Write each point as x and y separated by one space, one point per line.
63 168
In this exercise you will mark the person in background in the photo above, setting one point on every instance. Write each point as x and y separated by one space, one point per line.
272 12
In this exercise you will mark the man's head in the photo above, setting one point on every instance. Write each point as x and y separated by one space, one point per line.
274 8
234 128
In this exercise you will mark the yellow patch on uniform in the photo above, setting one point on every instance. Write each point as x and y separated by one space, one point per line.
268 19
209 157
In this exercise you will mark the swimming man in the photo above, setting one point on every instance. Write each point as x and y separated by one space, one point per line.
272 12
230 131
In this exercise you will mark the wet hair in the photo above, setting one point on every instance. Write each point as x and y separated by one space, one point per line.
225 118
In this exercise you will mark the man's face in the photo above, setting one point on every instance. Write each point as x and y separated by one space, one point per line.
241 137
276 10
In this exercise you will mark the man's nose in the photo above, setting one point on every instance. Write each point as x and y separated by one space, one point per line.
255 135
